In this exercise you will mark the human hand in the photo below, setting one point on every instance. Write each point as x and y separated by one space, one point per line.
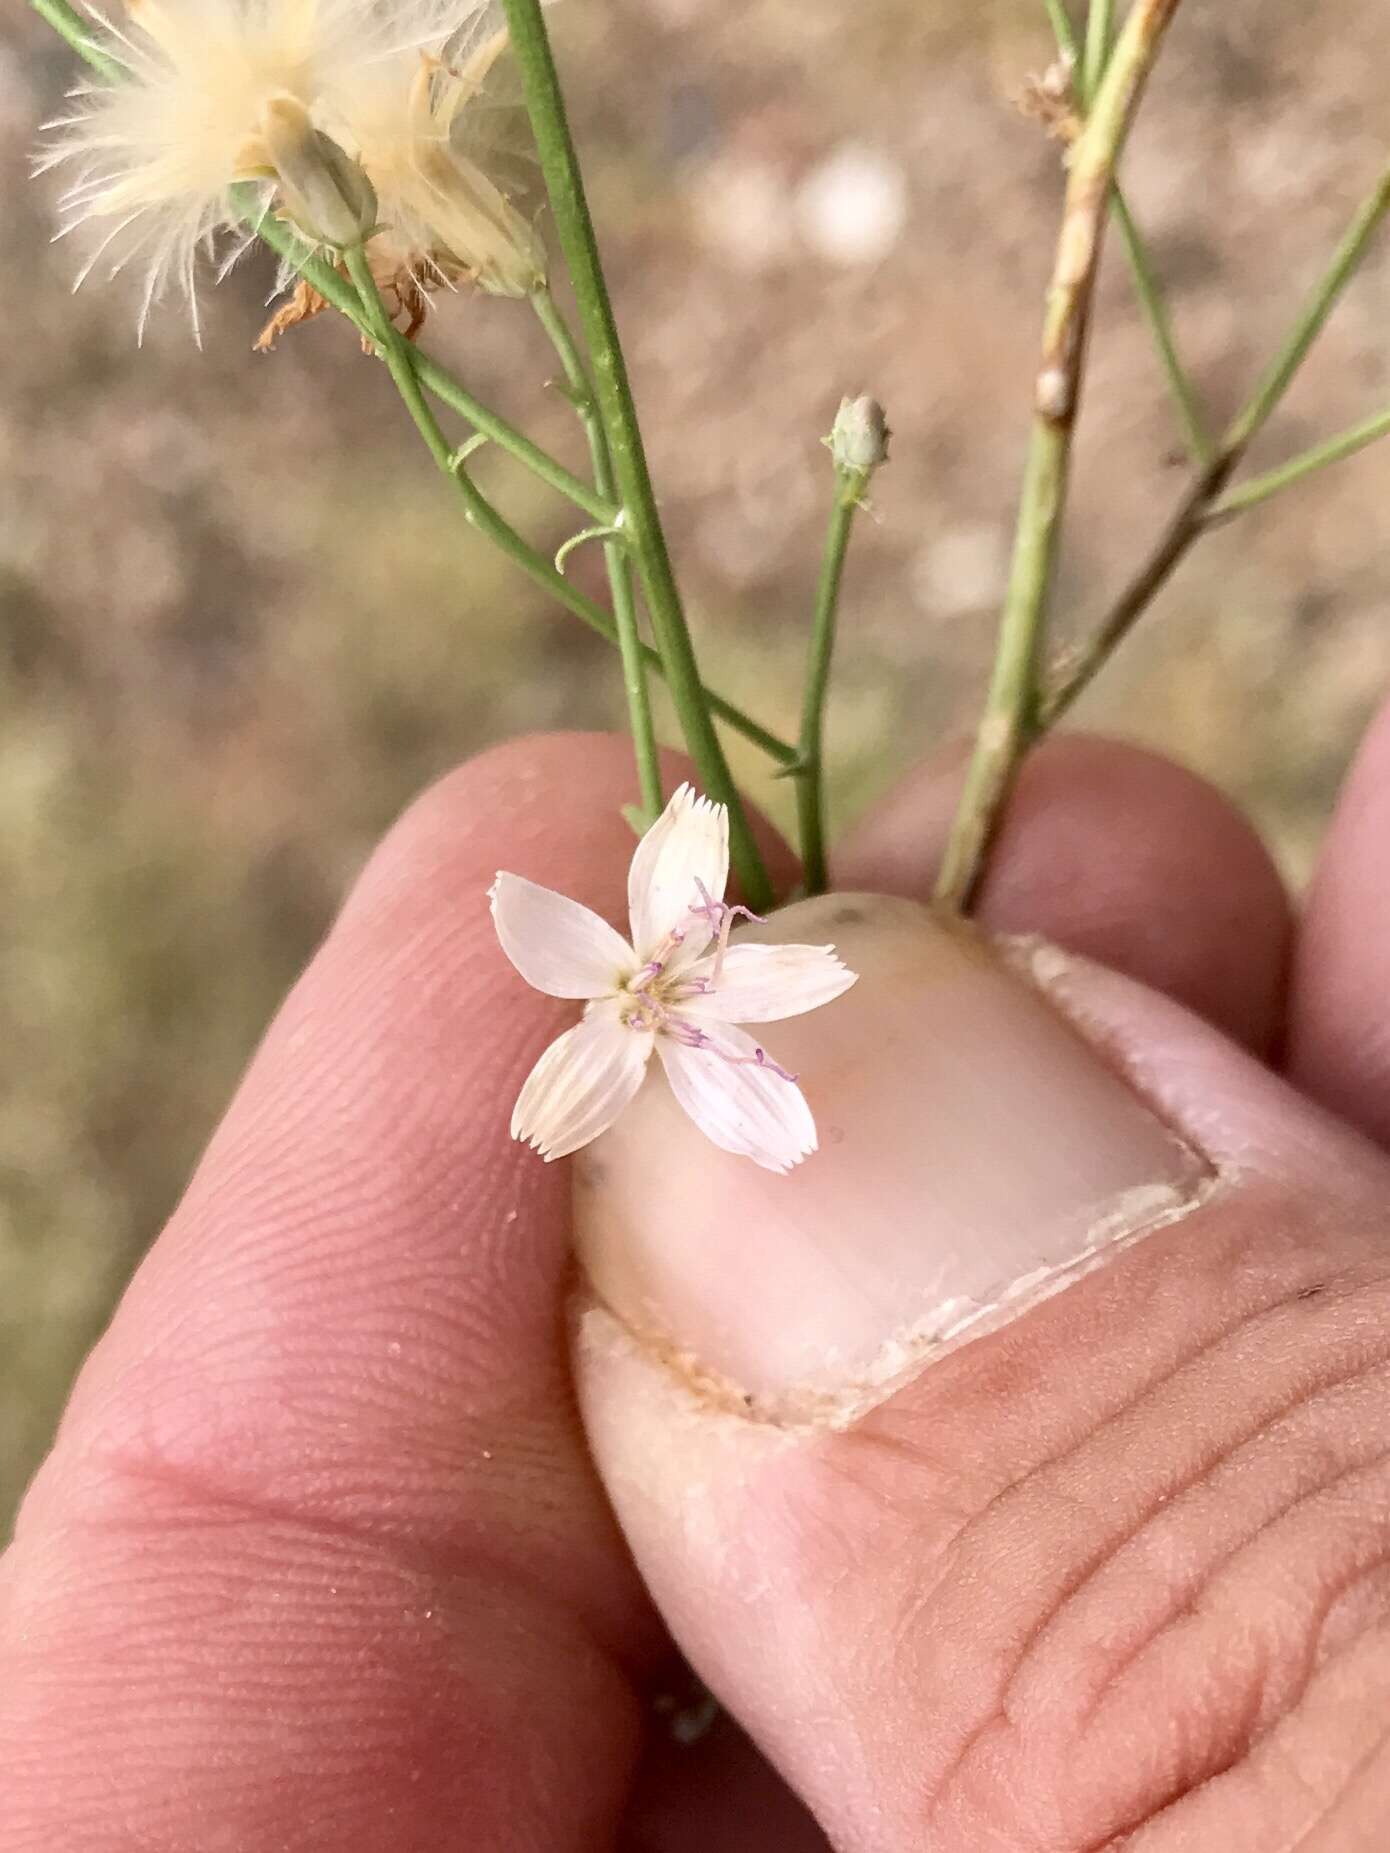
321 1559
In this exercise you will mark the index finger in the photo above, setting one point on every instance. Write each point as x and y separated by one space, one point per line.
319 1559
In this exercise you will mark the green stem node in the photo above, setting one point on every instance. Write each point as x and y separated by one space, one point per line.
615 554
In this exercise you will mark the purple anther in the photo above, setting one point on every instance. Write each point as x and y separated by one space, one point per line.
764 1060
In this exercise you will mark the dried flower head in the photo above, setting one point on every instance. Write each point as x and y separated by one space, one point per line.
448 151
297 98
1051 100
677 990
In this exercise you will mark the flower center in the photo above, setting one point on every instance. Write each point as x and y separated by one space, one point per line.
655 994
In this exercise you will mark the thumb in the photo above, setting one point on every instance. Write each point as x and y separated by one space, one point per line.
1016 1470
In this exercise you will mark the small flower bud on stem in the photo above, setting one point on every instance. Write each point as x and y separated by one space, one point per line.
858 445
859 438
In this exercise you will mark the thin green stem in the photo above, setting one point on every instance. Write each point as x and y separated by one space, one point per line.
68 22
810 772
333 287
1062 29
565 186
1100 18
1155 310
615 554
480 513
1346 259
1007 723
1259 488
395 350
1078 667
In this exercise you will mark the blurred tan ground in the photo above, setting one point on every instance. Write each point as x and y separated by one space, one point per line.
240 623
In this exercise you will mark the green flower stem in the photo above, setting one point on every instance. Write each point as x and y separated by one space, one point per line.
1346 260
1007 724
615 555
330 284
68 22
399 354
1078 667
1259 488
810 772
565 186
1062 29
1155 311
1100 17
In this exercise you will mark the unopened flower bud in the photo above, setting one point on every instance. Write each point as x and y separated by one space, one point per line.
859 439
327 194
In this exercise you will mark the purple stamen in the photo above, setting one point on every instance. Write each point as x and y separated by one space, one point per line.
695 1038
764 1060
720 917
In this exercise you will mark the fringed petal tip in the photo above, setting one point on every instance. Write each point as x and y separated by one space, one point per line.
580 1085
739 1097
682 858
764 984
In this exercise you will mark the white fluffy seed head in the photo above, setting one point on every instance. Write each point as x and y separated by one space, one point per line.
448 151
154 158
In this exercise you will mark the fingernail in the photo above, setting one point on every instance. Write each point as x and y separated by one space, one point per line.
975 1154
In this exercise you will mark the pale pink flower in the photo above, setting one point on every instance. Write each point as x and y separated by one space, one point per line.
678 988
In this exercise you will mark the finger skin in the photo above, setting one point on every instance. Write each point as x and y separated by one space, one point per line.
1084 1575
319 1560
1116 854
1339 1023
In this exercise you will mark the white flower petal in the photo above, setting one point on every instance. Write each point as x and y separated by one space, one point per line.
761 984
581 1084
741 1106
687 848
559 946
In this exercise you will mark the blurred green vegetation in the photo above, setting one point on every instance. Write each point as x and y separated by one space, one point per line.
240 625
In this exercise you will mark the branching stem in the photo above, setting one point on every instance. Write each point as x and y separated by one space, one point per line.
615 554
1007 724
574 225
1257 489
1100 19
398 354
1205 500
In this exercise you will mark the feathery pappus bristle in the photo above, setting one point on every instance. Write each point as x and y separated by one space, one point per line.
283 95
